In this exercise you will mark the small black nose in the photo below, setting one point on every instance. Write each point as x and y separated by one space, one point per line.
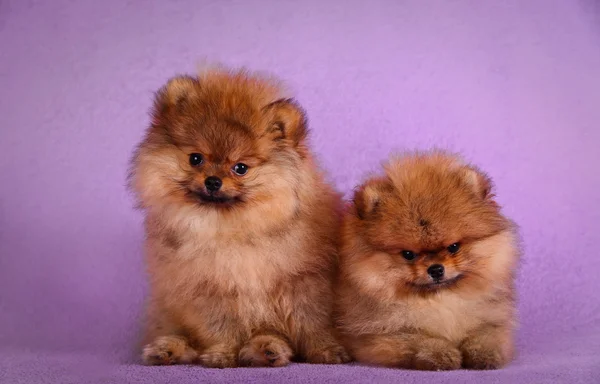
213 183
436 271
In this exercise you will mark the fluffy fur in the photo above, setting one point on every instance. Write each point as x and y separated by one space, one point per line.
242 275
390 310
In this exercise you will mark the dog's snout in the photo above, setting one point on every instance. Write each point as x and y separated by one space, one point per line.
436 271
213 183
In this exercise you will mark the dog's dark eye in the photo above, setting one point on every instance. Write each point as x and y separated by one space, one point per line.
409 255
454 248
240 169
196 159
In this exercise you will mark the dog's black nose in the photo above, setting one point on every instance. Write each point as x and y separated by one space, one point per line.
213 183
436 271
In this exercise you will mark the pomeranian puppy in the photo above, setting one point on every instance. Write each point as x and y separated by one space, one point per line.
427 268
242 229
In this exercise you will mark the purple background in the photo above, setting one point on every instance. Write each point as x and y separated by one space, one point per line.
514 85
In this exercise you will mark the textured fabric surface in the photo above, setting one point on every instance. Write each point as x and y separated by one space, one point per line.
514 85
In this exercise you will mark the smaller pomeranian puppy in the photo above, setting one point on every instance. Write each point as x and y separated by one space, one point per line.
428 263
242 230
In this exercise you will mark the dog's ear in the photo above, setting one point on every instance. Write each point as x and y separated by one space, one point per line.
368 196
172 95
178 89
480 183
287 121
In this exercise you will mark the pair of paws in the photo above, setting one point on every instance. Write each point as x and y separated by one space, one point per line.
471 355
260 351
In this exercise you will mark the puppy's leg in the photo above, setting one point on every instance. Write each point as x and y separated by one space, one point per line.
266 350
488 348
163 341
166 350
433 354
410 351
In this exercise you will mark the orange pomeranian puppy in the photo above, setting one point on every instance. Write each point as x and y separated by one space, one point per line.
241 227
427 269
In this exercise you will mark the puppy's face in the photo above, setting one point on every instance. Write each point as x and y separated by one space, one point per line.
430 216
219 142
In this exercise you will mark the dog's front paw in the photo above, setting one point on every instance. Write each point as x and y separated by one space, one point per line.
481 356
333 354
445 359
166 350
265 351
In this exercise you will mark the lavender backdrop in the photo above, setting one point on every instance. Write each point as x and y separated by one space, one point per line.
514 85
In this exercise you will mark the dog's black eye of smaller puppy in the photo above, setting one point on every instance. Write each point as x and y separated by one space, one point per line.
454 248
240 168
409 255
196 159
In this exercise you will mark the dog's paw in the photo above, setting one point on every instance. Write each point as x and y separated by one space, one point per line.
481 356
265 351
166 350
437 359
334 354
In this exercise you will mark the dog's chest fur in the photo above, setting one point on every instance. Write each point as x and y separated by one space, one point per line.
448 314
235 272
